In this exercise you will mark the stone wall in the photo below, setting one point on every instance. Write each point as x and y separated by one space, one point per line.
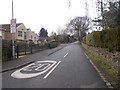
113 58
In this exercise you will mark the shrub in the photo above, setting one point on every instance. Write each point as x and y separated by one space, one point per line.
109 38
52 44
89 39
6 49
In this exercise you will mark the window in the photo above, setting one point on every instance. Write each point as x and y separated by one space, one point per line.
25 37
20 33
35 39
31 36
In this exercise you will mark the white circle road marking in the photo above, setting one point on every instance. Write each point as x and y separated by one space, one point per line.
19 74
51 70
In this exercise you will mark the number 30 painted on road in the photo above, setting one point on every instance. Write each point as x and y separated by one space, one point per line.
34 69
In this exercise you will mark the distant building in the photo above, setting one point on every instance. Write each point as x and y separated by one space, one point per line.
32 36
43 40
22 33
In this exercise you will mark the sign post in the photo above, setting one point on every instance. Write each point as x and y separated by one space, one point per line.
13 30
13 25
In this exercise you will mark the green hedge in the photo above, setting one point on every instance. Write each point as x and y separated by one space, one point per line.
52 44
6 50
109 38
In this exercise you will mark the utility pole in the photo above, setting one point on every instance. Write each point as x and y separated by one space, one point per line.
13 30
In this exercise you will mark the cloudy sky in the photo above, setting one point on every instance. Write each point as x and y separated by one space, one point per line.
36 14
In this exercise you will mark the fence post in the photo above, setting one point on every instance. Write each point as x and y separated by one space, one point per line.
17 51
25 48
31 49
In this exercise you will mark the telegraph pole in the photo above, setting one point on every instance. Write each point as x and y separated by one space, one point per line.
13 30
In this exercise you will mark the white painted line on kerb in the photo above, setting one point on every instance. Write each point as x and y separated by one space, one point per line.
66 55
101 75
51 70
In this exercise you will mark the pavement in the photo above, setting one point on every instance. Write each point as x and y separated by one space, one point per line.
25 60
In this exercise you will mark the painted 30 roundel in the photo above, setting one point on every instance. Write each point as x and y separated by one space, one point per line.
34 69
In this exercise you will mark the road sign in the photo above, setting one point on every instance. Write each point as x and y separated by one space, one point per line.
13 25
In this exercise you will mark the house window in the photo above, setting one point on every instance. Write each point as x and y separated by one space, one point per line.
20 33
31 36
25 37
35 39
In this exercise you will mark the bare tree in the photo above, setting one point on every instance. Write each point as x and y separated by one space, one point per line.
79 24
53 35
61 31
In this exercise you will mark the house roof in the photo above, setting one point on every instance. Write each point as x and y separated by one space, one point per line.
7 26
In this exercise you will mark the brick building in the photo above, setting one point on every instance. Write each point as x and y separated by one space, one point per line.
22 33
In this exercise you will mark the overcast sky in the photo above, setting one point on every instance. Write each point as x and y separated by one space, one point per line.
36 14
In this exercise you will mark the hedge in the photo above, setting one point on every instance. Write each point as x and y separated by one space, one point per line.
109 38
6 50
52 44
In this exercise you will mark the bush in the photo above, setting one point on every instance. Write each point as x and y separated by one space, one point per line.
109 38
89 39
6 50
52 44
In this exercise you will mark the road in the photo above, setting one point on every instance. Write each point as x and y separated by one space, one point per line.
66 68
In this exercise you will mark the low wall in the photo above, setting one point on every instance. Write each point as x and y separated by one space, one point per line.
112 57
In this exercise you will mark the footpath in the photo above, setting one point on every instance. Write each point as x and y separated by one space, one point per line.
23 61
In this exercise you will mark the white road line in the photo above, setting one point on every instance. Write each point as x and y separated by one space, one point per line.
66 55
51 70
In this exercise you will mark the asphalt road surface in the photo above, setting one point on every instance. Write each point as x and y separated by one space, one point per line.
66 68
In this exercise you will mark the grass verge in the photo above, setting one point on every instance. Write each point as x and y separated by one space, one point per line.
23 53
110 73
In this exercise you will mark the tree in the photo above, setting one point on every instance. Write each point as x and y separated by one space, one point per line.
43 33
53 35
61 31
109 20
110 12
79 24
118 14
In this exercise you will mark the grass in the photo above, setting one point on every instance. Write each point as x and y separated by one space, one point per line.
106 68
23 53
